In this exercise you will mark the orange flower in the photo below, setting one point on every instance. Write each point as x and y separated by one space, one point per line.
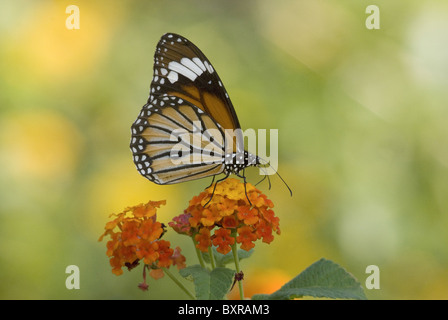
196 215
165 253
148 251
156 273
135 235
264 230
209 217
203 239
147 210
129 232
116 265
246 237
150 230
181 224
178 259
248 215
226 207
223 240
269 217
230 222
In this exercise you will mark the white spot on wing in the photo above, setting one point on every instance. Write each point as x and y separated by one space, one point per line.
176 66
199 63
192 66
209 67
173 76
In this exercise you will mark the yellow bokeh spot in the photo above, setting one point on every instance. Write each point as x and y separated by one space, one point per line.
46 48
118 185
39 144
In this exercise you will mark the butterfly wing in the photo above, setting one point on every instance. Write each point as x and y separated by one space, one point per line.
186 94
182 70
173 141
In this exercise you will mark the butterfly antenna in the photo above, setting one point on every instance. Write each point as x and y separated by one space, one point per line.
265 175
213 180
290 191
264 165
269 180
262 179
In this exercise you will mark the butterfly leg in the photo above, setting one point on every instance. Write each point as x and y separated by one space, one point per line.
245 182
214 188
213 180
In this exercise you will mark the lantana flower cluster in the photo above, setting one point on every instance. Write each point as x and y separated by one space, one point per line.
231 211
135 235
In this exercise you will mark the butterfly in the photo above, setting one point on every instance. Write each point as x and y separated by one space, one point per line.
188 129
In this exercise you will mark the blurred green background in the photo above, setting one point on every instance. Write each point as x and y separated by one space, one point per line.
363 136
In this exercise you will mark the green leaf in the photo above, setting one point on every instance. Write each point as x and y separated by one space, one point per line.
201 280
209 285
220 281
223 259
323 279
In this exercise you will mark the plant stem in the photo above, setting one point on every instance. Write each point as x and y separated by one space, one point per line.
198 253
238 270
180 285
212 257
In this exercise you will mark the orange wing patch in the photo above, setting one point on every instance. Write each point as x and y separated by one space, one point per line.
209 103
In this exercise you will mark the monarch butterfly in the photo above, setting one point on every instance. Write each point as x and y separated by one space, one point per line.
186 93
